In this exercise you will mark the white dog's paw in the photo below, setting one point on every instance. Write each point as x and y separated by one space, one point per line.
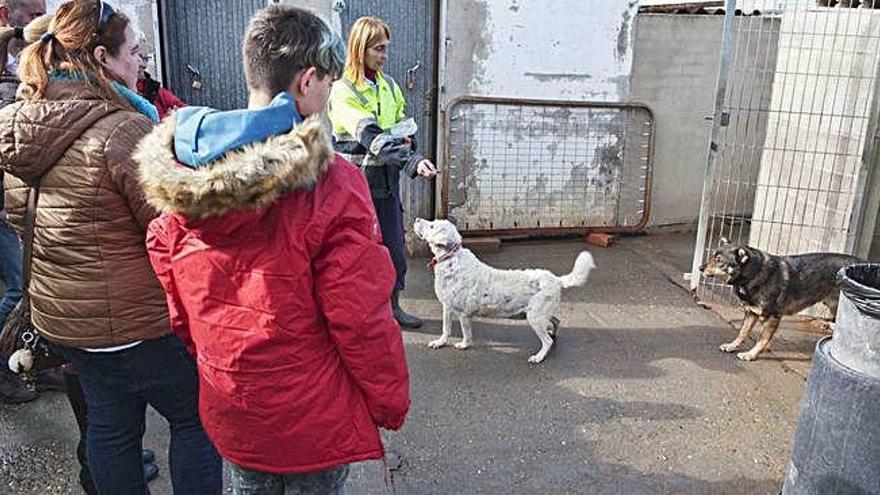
536 358
436 344
747 356
462 345
729 347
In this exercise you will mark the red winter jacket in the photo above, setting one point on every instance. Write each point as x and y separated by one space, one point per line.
277 279
164 100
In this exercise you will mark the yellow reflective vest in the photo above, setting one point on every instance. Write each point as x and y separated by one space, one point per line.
355 104
361 113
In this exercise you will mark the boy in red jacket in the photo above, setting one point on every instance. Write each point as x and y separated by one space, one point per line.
272 259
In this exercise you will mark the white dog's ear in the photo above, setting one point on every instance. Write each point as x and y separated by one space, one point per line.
454 238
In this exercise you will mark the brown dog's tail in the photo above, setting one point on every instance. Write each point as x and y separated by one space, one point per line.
578 276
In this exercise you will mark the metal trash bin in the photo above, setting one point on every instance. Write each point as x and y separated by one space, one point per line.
837 442
856 341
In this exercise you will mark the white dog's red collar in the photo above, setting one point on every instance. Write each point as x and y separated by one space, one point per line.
445 256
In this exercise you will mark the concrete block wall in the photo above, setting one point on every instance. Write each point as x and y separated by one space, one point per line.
819 116
675 72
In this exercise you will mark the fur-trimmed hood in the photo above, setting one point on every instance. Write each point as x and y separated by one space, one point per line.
244 179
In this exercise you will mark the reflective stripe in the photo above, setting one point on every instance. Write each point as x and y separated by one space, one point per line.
356 160
391 83
360 96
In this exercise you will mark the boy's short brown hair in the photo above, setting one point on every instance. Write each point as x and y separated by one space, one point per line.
281 41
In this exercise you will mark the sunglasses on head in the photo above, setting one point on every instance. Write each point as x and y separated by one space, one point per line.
105 12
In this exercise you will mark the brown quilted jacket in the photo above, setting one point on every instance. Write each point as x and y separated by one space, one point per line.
92 284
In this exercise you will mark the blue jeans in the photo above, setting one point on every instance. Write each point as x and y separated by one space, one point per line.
329 482
10 269
118 386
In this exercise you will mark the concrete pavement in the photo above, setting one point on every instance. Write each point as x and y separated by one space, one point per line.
635 398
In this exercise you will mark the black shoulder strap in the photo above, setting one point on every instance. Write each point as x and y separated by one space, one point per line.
30 220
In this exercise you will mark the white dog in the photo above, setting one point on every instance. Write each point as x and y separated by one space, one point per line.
468 287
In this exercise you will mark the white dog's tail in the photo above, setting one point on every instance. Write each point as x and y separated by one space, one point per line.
578 276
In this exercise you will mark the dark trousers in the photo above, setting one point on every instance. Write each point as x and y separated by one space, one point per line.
390 213
117 387
80 411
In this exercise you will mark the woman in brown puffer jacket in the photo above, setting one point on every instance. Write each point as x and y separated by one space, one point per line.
93 293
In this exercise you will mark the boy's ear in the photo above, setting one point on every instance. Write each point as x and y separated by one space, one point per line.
306 79
299 84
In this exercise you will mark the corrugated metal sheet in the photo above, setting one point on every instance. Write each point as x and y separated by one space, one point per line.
413 26
206 35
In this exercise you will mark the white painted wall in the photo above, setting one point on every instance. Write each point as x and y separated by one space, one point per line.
572 50
556 49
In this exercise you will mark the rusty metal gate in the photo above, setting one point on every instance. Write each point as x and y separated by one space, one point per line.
793 131
520 167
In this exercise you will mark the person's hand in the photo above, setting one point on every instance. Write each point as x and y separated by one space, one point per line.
426 169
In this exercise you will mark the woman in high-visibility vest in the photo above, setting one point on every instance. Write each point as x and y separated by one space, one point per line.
370 128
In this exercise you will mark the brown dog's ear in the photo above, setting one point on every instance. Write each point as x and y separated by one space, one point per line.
743 256
724 241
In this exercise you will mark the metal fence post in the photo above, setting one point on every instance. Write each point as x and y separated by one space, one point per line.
718 120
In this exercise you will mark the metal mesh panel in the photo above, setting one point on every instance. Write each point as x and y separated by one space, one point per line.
528 166
793 112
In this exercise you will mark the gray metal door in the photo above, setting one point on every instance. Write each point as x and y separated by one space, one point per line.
412 63
202 49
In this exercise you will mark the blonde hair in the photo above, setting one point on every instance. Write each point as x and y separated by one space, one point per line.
366 32
69 45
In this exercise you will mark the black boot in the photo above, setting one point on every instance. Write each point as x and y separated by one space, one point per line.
50 380
404 319
13 390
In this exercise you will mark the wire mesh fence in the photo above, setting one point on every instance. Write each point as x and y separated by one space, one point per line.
793 123
526 166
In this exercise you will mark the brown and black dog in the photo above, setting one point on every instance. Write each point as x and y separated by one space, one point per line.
771 287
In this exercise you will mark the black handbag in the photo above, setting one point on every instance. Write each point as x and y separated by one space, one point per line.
28 351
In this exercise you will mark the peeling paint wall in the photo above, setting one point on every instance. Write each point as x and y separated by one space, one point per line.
571 50
554 49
